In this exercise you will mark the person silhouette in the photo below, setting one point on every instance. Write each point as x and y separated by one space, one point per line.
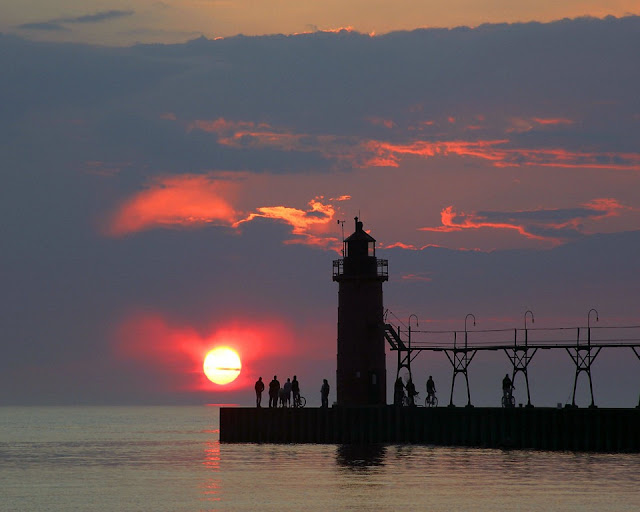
411 392
274 388
398 392
295 389
259 389
507 386
287 392
431 388
324 393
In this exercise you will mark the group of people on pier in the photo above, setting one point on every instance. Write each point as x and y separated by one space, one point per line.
281 396
400 398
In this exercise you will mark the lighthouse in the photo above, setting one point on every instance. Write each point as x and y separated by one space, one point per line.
361 371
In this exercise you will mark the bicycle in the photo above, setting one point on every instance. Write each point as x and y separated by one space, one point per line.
431 401
508 399
299 401
406 401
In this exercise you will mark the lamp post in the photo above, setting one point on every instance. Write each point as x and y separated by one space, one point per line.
528 311
409 322
465 326
413 315
589 324
409 355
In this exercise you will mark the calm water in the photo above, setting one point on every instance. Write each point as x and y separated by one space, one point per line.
169 459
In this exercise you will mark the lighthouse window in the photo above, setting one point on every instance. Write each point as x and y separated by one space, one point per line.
372 249
374 379
357 375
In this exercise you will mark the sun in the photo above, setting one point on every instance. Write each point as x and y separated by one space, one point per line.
222 365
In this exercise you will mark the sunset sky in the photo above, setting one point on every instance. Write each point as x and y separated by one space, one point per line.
161 199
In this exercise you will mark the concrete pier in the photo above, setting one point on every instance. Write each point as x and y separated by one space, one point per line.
591 430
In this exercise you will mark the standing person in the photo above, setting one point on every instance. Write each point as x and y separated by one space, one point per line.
324 393
287 392
398 392
507 387
259 389
295 389
431 389
411 391
274 388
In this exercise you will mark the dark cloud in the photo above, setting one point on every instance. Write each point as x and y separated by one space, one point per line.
98 17
58 23
334 84
45 26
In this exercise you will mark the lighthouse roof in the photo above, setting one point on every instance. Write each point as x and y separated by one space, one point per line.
359 234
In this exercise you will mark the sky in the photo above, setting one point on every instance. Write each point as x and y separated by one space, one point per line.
162 199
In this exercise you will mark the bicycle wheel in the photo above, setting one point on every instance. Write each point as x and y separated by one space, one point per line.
302 402
434 402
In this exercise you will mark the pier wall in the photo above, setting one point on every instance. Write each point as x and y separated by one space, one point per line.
598 430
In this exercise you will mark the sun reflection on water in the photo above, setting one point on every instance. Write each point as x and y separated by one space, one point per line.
211 487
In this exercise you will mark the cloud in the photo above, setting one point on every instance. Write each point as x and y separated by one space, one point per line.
192 201
57 24
388 154
311 226
176 201
359 151
45 26
98 17
553 225
424 277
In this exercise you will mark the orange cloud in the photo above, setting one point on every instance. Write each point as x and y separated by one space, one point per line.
358 152
224 126
453 221
552 225
520 125
176 201
421 277
191 201
389 154
311 225
552 121
401 245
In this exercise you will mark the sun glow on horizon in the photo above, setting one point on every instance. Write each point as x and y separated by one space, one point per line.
222 365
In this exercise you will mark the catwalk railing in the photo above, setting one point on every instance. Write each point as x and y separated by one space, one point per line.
583 344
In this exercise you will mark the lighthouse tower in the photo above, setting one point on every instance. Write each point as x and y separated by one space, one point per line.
361 373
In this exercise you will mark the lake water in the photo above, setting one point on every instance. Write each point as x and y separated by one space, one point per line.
169 459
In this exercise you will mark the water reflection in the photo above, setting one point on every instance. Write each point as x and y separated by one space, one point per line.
360 456
211 486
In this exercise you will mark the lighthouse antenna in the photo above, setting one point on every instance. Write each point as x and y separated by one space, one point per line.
341 222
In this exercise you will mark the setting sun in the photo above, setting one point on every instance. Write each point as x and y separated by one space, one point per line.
222 365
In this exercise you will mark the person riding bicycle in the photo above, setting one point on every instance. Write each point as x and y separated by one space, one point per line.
411 392
507 387
431 389
295 389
